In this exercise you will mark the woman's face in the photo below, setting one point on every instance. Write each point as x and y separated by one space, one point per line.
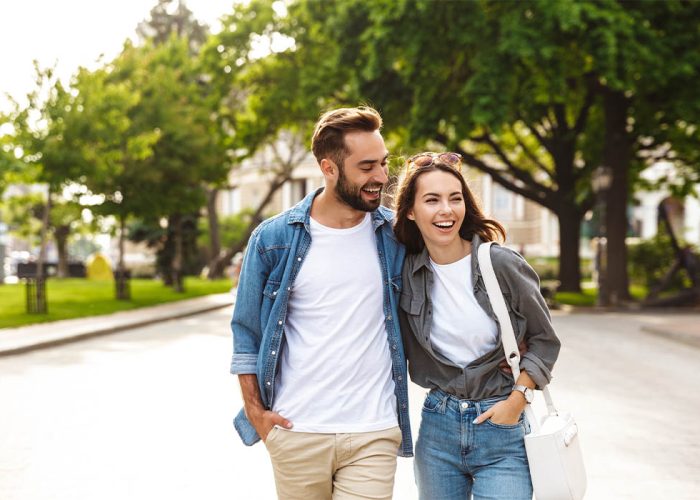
438 209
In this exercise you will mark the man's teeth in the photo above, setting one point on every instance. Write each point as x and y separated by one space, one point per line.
444 224
373 190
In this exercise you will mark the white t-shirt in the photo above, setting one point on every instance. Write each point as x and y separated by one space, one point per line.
461 330
335 369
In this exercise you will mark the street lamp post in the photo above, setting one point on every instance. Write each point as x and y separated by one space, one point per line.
601 181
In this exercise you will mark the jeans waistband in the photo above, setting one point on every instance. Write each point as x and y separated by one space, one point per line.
463 404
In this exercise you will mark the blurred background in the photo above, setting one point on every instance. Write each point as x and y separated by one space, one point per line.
141 143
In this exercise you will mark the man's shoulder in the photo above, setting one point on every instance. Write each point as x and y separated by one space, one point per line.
274 227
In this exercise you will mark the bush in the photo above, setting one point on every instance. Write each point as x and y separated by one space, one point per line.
650 260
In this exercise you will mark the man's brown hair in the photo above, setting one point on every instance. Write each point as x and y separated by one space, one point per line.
328 140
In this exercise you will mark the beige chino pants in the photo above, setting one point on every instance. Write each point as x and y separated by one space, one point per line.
311 466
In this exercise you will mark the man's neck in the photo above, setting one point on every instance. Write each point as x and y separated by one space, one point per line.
331 212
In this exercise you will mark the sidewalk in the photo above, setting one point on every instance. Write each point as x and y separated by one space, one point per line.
28 338
679 326
682 327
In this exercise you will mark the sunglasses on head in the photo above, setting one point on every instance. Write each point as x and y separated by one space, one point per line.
428 158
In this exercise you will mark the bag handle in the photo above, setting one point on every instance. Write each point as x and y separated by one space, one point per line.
510 344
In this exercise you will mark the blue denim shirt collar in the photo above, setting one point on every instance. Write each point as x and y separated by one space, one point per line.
301 213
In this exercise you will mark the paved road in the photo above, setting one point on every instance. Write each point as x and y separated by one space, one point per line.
147 414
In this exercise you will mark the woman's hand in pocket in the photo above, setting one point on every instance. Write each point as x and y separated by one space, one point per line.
506 412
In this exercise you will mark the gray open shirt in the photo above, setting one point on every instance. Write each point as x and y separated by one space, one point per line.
480 379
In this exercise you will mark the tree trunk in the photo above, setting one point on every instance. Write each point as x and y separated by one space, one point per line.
569 257
121 278
61 237
38 303
617 154
178 258
214 237
224 258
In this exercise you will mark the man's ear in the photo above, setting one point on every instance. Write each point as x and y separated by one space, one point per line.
328 168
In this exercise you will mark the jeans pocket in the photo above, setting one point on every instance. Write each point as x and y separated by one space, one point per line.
432 403
517 425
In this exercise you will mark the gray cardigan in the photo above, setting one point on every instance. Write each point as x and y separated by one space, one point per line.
480 379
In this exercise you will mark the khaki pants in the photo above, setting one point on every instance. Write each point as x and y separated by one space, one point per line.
310 466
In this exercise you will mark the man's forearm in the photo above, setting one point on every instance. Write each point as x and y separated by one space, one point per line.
252 402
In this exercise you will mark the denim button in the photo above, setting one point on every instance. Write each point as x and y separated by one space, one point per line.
279 322
273 353
389 317
465 405
299 259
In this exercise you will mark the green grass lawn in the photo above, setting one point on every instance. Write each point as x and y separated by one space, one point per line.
588 296
76 298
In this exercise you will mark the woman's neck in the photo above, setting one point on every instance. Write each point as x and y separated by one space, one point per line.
449 254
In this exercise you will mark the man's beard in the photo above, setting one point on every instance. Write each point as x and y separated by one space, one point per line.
352 195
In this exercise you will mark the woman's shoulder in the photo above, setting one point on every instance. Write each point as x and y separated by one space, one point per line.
509 263
504 256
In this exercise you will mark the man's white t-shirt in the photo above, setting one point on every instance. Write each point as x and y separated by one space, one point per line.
334 374
460 330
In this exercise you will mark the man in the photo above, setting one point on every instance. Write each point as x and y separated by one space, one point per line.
317 347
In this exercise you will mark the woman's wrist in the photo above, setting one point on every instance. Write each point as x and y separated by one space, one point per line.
517 400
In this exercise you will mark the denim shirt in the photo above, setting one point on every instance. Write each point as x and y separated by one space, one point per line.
481 378
275 253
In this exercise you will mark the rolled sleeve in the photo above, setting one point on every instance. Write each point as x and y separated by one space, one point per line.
542 342
537 370
244 364
245 323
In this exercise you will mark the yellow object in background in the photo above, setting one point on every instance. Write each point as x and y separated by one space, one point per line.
99 268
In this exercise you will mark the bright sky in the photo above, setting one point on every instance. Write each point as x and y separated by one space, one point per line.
73 33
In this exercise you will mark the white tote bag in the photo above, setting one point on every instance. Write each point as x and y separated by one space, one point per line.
553 450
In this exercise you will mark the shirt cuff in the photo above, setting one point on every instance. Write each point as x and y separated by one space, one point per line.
244 364
534 367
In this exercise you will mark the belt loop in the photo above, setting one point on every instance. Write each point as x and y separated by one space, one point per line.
443 403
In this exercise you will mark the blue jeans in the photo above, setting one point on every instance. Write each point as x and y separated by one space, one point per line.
456 458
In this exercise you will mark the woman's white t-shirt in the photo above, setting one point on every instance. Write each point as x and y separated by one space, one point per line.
461 330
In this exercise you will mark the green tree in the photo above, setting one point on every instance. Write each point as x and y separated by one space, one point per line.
45 142
261 105
172 18
534 93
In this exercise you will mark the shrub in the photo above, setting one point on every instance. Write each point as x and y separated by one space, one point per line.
650 260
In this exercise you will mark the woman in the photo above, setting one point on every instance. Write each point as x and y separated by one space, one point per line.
470 440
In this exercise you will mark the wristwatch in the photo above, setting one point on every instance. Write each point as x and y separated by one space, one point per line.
527 392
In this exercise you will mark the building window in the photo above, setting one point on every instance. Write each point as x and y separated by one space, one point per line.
502 203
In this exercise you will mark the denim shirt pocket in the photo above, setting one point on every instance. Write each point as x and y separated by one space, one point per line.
270 292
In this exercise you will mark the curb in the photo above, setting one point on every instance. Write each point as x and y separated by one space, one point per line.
688 339
126 325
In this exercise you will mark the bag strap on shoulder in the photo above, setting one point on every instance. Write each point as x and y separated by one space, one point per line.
510 344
